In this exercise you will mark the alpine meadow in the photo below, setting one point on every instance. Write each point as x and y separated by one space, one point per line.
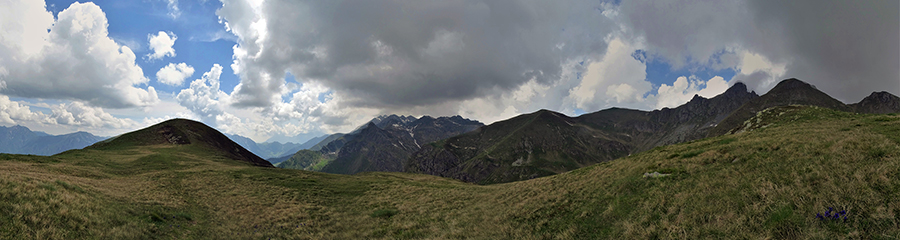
447 119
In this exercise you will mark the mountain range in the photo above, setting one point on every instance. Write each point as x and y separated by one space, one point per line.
382 144
546 142
21 140
787 172
267 150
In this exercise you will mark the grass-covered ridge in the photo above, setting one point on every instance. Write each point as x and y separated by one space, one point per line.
769 182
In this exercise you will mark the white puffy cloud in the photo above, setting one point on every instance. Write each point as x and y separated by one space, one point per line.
617 79
23 25
684 88
174 74
204 97
12 112
161 45
68 117
74 60
80 115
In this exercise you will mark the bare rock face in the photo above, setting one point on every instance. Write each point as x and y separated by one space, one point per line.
386 142
172 135
878 103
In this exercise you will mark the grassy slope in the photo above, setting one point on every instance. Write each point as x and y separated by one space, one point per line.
305 160
769 182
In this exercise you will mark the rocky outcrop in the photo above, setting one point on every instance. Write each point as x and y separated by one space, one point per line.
387 142
787 92
878 103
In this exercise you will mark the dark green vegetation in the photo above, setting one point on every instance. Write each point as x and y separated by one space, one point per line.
768 182
326 141
21 140
305 160
266 150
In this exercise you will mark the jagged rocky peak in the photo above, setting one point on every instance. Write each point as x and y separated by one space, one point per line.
738 87
792 84
369 126
460 120
697 97
738 90
881 97
393 119
879 103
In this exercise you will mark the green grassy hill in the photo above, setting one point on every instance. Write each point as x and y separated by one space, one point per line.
768 182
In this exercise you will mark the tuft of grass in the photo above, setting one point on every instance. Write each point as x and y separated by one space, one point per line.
384 213
692 153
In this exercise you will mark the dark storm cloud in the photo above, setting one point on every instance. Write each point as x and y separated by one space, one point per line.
413 53
846 48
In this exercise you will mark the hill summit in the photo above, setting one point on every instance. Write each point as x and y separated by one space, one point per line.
183 132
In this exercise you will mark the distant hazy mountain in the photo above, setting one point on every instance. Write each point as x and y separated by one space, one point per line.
247 143
313 142
545 142
265 150
21 140
333 142
383 144
298 139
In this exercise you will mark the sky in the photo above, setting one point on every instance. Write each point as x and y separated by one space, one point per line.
270 68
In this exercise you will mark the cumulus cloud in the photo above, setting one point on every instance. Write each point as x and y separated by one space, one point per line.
69 58
79 114
161 45
204 97
617 79
684 88
68 117
12 112
174 74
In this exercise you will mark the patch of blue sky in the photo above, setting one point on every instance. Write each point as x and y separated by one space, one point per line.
326 96
579 112
202 40
659 71
289 78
